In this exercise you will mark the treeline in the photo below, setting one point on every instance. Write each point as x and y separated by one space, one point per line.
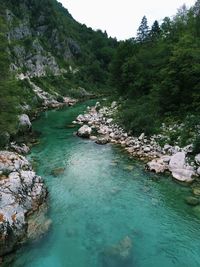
157 74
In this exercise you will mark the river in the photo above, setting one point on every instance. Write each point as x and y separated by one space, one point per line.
100 197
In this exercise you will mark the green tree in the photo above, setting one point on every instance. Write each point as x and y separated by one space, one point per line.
143 30
155 31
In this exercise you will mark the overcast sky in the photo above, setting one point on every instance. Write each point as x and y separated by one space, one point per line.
121 18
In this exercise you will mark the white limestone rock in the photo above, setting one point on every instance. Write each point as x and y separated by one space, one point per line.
21 194
85 131
24 123
179 169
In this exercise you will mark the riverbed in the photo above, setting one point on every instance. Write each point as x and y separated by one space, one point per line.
98 196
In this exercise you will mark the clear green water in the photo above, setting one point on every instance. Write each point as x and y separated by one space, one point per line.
96 202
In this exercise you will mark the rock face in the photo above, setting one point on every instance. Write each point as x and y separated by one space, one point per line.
22 192
179 169
85 131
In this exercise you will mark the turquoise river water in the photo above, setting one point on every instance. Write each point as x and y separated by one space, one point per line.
98 200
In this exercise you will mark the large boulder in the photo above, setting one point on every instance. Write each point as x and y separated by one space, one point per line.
85 131
24 123
192 201
179 169
22 192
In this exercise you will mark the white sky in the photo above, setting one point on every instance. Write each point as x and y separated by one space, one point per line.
121 18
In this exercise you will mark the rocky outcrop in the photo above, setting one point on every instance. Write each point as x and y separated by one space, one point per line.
24 123
22 193
32 50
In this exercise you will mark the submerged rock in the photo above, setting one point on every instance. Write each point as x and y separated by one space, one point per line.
128 168
196 191
197 211
57 171
102 141
21 194
119 254
192 201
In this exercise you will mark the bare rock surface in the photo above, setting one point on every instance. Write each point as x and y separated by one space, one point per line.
22 192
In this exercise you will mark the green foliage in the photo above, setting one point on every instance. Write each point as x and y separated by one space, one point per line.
143 31
159 74
139 116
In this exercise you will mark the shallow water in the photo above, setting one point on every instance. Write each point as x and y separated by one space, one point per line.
96 201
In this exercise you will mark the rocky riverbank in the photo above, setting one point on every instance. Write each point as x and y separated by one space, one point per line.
98 125
22 206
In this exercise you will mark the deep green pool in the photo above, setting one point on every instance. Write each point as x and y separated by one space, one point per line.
97 201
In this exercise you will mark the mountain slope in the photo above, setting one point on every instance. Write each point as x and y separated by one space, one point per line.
40 40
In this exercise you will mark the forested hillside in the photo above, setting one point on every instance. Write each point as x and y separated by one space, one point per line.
42 41
157 74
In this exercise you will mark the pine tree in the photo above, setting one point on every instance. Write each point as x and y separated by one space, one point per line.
143 30
155 30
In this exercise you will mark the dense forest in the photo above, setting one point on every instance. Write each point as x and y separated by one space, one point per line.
157 74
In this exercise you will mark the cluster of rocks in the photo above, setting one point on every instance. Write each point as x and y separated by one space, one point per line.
98 125
22 200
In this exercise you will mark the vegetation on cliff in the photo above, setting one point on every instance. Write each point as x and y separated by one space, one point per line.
41 40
